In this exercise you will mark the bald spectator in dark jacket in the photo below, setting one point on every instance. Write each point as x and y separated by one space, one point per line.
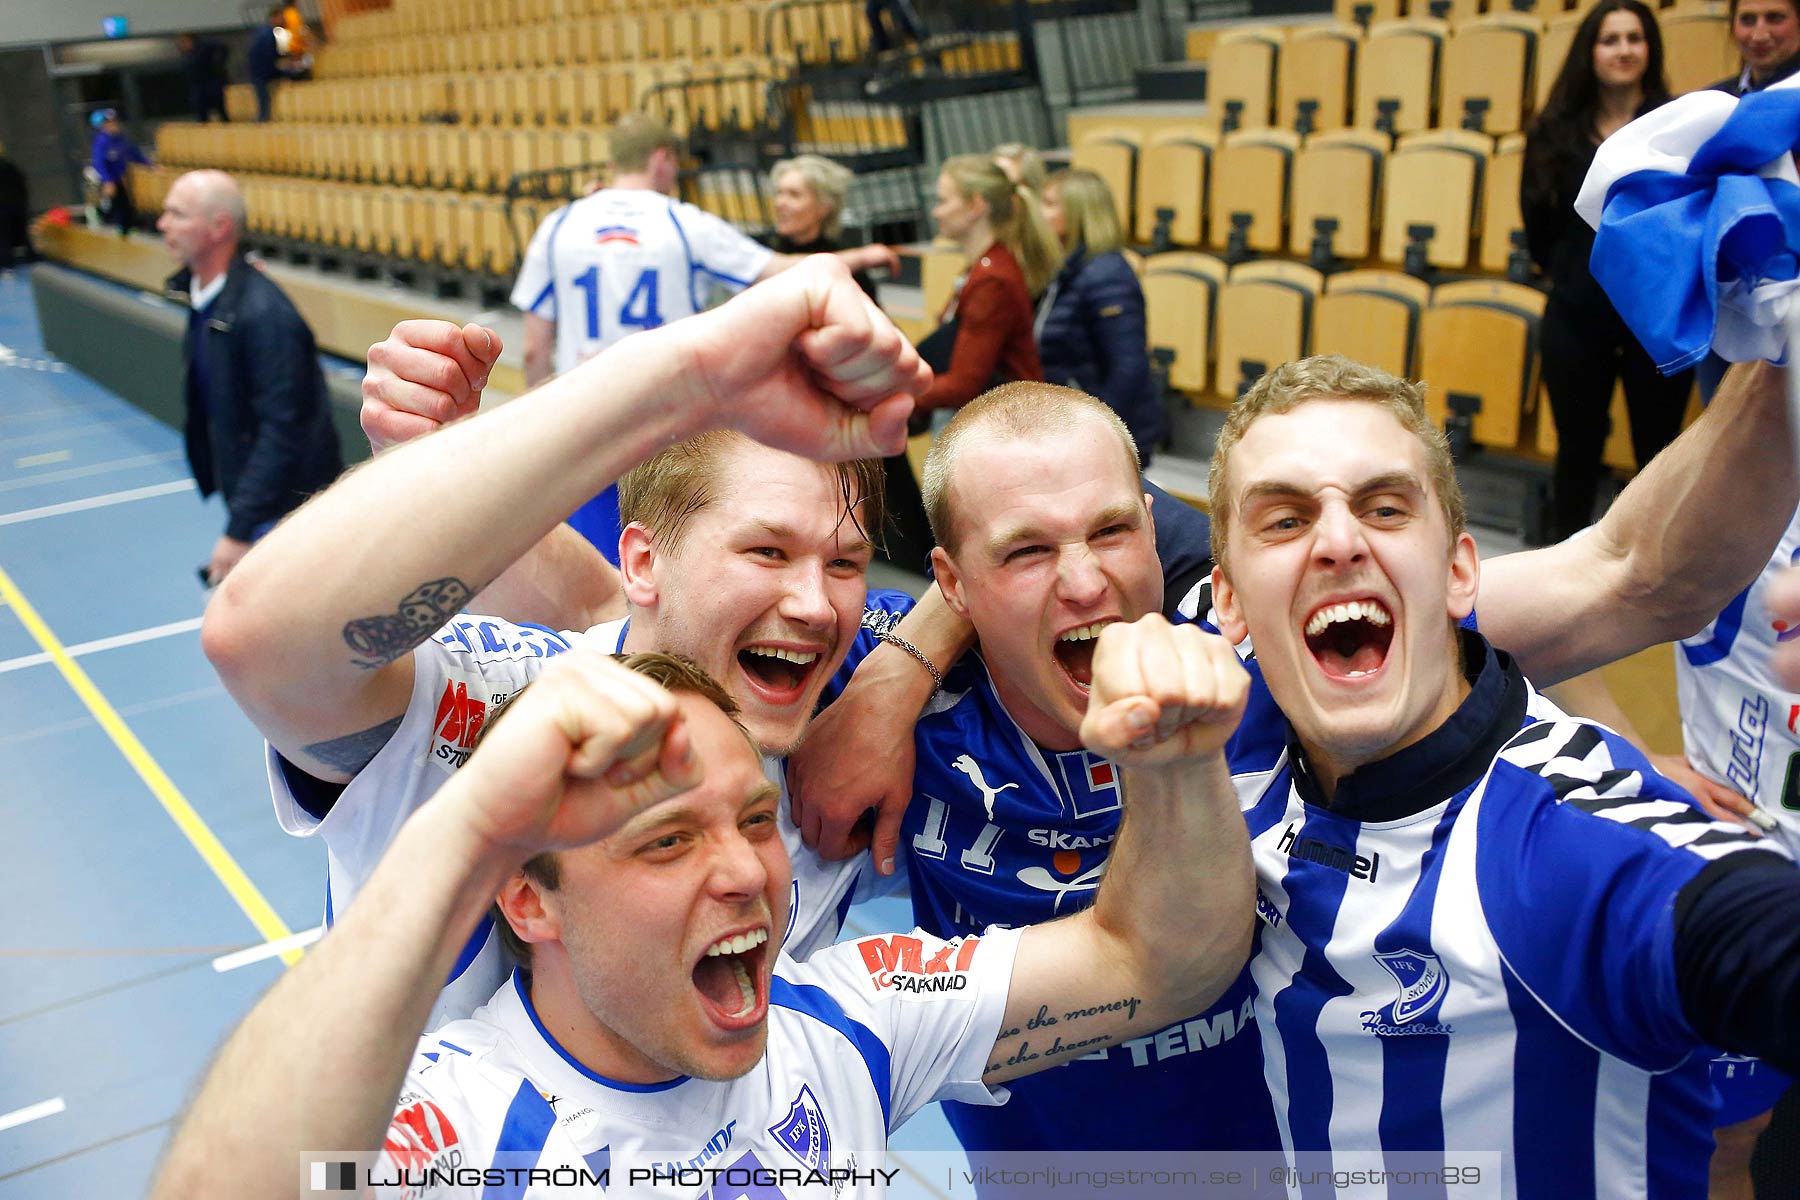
259 426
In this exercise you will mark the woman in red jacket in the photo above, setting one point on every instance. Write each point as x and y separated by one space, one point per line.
1012 257
984 336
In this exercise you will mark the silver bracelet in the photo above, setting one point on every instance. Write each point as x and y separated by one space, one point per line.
894 639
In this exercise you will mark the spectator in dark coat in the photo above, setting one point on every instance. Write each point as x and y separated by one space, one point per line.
1090 326
15 211
1612 75
259 426
203 61
265 60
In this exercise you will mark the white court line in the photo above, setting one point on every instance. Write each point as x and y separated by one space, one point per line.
99 468
126 497
110 643
36 1112
243 958
44 460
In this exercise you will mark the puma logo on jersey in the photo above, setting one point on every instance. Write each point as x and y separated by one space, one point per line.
972 769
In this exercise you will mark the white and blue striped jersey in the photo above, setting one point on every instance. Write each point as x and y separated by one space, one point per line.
1472 949
463 673
624 260
1738 720
853 1051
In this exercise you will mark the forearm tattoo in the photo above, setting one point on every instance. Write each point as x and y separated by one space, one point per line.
379 640
1065 1033
353 752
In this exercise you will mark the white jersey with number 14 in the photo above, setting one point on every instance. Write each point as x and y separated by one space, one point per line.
624 260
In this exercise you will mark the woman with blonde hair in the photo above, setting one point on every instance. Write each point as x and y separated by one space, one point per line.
984 336
809 208
1091 333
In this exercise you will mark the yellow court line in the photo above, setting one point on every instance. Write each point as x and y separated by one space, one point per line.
261 913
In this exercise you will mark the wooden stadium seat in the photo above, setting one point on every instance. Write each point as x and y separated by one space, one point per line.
1112 154
708 32
1480 349
1337 177
1241 72
1372 317
1398 66
1500 216
1317 64
539 102
740 29
1553 48
1174 173
1366 12
1265 319
1181 293
1254 168
1697 46
1433 179
1486 67
657 41
549 44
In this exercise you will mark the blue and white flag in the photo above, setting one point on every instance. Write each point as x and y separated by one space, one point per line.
1696 208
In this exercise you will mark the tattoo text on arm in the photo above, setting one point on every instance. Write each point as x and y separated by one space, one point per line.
353 752
379 640
1066 1033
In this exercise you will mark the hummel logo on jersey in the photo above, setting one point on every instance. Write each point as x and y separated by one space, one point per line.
458 722
898 962
972 769
1327 854
1423 986
803 1132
